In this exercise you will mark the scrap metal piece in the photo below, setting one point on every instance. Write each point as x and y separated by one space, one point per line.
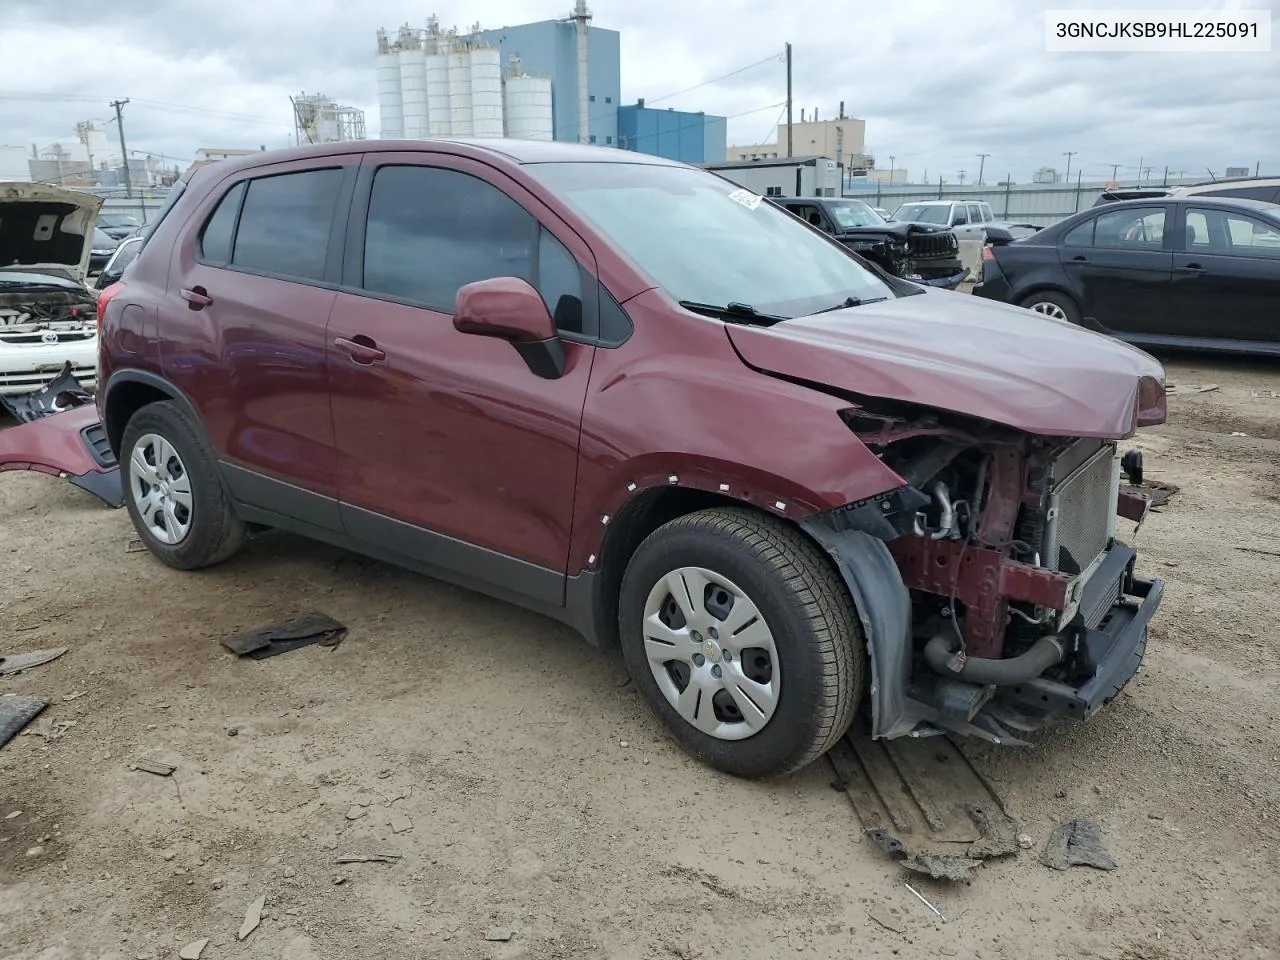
1077 843
301 631
15 713
999 833
942 866
59 394
252 917
371 858
17 662
921 897
158 767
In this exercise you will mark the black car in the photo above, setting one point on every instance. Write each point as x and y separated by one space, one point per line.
919 252
1197 272
117 225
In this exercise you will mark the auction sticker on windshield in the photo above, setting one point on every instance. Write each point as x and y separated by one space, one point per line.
746 198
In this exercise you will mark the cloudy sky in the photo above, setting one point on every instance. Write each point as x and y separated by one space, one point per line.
937 82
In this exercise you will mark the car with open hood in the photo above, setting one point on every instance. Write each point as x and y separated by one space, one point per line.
47 314
782 485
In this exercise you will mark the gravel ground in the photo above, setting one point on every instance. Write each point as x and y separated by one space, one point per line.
530 796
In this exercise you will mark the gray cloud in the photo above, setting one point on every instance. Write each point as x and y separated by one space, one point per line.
937 82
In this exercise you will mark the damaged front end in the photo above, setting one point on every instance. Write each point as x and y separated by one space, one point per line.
995 596
921 254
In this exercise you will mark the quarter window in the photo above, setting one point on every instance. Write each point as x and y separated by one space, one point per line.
432 231
284 226
215 238
1081 236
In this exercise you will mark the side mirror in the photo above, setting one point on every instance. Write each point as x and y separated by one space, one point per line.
511 309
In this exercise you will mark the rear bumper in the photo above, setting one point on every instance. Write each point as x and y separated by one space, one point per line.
71 445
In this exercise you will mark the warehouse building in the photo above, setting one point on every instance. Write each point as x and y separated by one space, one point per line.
674 134
784 177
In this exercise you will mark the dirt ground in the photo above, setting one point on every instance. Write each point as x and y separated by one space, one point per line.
547 804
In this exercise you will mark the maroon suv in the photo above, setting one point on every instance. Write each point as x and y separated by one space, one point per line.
628 394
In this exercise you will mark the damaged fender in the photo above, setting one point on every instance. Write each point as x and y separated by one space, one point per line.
884 607
71 445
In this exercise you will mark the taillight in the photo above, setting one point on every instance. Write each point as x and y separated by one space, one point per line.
988 254
104 298
1152 405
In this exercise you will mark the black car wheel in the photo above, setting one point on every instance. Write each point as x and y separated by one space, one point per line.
173 492
1053 304
743 639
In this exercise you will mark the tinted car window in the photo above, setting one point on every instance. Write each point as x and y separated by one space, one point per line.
431 231
960 216
1081 236
284 225
1265 193
215 238
1247 237
1139 228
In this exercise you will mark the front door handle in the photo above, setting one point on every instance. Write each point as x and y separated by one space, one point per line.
197 297
1192 268
362 349
1079 258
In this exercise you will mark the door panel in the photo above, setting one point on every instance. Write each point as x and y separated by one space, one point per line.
1121 270
448 434
250 347
1226 277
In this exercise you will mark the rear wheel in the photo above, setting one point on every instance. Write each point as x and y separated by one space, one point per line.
172 490
743 639
1052 304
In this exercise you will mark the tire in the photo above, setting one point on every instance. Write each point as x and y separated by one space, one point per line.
807 629
180 510
1050 303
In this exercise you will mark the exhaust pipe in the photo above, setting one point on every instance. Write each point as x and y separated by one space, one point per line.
1045 653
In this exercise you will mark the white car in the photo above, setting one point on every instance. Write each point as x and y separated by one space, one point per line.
48 317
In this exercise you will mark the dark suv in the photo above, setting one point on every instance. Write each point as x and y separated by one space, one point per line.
619 391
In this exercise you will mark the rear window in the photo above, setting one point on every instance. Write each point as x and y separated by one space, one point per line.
285 222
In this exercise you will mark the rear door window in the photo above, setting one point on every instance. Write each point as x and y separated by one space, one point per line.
1140 228
285 224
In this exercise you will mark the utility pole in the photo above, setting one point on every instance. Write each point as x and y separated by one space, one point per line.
789 100
962 178
1115 168
891 160
1256 167
1140 168
1066 177
982 163
124 154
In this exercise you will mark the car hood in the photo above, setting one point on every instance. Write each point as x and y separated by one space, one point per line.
955 352
43 226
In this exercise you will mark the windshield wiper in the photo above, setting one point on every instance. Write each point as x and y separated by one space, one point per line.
731 311
848 302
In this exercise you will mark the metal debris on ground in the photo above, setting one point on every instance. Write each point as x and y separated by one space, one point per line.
1260 550
134 545
193 949
399 823
158 767
59 394
371 858
887 917
498 935
291 634
923 803
252 917
16 712
1077 843
1175 389
1156 491
17 662
1265 394
921 897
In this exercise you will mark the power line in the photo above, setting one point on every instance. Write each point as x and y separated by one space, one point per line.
707 83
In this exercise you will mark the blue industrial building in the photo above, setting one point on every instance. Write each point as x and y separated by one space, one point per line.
674 134
549 48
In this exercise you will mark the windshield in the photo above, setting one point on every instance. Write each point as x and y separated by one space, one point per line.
923 212
853 213
102 241
704 240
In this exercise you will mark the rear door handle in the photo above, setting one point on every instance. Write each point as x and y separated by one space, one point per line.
197 297
1192 268
1079 258
363 350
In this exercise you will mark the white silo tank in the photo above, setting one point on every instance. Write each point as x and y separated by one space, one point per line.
413 91
438 106
486 92
529 108
390 111
460 94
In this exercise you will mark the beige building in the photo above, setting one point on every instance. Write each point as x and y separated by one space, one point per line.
843 139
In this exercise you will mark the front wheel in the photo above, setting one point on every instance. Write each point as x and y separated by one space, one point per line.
743 639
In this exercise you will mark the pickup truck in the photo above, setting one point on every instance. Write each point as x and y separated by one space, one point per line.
918 252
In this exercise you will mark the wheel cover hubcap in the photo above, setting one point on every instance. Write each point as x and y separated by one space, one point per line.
1049 310
711 653
161 489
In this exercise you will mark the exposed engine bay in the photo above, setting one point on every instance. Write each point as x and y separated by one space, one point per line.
1023 607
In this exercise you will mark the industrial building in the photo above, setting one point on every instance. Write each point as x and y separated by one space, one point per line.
318 119
843 138
784 177
549 80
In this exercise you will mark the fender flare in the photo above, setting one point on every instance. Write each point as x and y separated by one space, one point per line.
884 607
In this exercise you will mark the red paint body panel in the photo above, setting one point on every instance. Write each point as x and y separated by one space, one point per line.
51 445
675 398
949 351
